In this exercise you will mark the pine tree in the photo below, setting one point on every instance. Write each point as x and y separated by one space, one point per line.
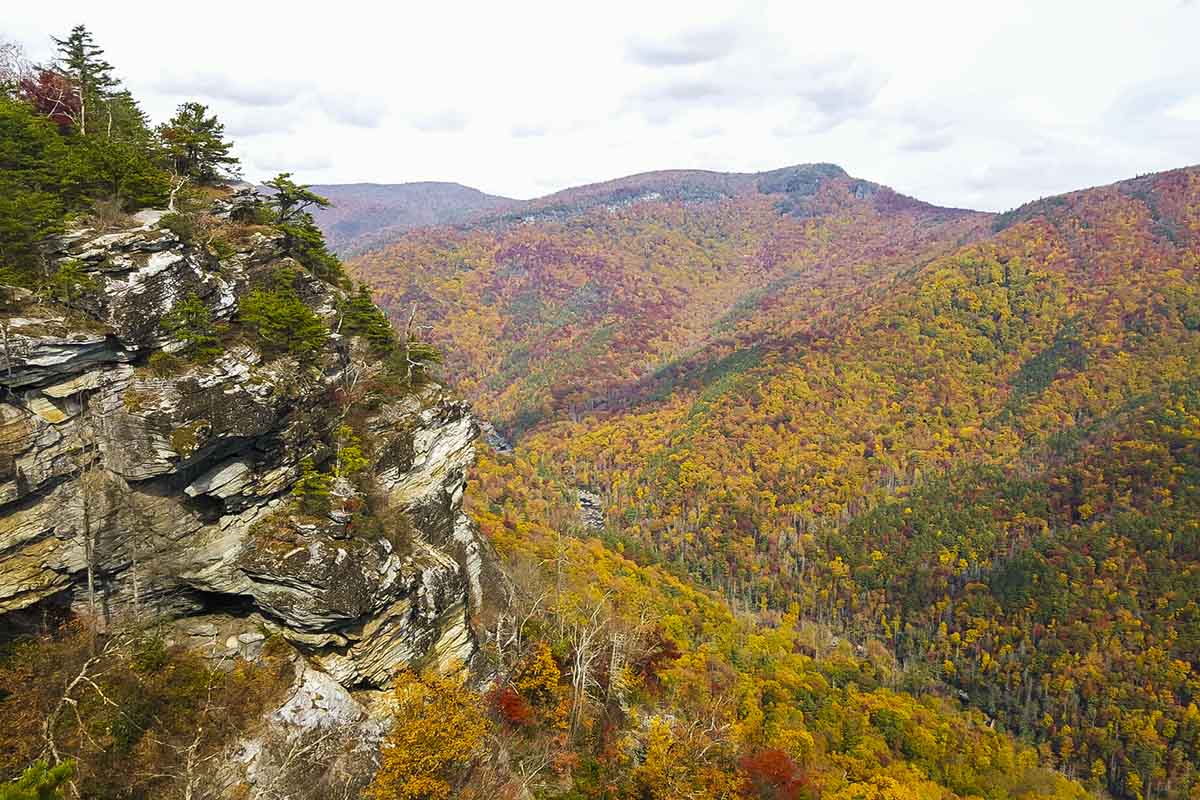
293 200
82 61
126 120
116 157
313 489
39 782
120 169
361 317
281 320
69 282
411 361
190 322
303 240
195 144
350 458
32 156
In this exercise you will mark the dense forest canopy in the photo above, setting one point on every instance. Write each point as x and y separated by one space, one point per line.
939 431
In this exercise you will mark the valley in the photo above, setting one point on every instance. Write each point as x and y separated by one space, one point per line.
757 485
794 397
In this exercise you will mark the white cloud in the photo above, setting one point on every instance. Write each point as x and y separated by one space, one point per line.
347 108
521 98
686 47
1187 110
300 163
446 120
208 85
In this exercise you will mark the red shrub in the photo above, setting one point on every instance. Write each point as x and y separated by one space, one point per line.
512 707
772 775
661 652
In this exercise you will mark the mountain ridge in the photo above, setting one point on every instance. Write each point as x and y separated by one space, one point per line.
682 183
363 212
351 235
563 250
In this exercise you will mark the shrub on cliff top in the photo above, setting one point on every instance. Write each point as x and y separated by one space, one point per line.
68 282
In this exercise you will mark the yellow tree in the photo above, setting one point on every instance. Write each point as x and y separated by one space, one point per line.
438 726
908 785
684 761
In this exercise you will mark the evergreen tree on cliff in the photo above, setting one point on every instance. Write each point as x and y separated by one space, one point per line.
195 144
82 62
303 240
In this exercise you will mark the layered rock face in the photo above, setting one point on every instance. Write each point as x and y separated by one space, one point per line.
165 493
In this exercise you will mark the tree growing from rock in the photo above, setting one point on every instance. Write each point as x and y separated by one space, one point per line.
281 320
302 239
190 323
69 282
313 489
361 317
411 360
292 201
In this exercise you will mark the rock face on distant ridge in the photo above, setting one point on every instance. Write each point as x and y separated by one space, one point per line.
169 493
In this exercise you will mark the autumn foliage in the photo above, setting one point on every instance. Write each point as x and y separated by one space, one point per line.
965 443
772 775
709 704
512 707
120 707
438 725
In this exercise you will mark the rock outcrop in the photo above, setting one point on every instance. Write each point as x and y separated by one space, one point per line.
128 488
591 510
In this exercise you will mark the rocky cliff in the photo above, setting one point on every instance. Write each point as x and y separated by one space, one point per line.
133 489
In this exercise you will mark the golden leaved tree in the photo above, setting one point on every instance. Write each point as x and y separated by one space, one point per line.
439 725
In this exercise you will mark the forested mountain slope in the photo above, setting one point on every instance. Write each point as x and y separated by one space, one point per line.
241 554
369 215
971 437
575 302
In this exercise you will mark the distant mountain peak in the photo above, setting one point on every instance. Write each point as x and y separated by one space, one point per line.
370 216
798 178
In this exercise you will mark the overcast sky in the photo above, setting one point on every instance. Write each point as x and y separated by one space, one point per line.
983 105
